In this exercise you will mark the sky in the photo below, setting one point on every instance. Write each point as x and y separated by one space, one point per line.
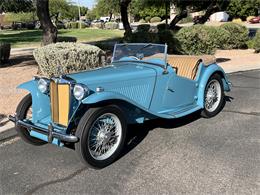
86 3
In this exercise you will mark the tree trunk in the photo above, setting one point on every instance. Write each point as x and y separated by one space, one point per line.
124 15
178 17
49 30
210 10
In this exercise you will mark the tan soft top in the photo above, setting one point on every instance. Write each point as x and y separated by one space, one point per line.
187 66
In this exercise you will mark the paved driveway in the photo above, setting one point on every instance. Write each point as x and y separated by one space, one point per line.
191 155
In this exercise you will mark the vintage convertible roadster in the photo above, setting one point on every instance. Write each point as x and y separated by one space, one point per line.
89 111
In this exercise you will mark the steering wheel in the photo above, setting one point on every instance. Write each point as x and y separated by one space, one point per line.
134 57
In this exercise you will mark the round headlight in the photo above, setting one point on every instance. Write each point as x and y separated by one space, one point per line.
43 85
80 91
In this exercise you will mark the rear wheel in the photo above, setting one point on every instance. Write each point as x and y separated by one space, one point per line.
24 111
213 97
102 133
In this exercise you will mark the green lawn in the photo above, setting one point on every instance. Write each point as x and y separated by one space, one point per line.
27 38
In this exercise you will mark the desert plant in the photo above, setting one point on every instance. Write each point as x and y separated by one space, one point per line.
67 39
64 58
200 39
143 27
239 35
111 25
256 44
142 21
148 18
5 49
155 19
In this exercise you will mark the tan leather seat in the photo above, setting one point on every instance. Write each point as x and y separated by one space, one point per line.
187 66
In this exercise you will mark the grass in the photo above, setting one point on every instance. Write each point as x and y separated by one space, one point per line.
29 38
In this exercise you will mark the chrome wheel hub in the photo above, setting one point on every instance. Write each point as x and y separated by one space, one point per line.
213 95
105 136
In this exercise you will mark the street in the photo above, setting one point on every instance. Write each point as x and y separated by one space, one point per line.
191 155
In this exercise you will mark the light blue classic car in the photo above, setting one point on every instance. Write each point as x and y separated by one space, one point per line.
89 111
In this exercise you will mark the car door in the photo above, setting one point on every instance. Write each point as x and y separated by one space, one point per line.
180 92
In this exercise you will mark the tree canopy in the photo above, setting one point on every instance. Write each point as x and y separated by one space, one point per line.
16 5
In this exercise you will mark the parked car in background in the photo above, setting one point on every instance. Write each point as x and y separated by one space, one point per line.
255 20
90 111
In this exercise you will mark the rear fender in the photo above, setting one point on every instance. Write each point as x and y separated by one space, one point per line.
207 72
40 101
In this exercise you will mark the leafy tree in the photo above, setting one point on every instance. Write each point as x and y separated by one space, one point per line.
16 5
243 8
107 8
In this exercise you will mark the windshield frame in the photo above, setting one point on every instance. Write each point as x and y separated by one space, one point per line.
143 61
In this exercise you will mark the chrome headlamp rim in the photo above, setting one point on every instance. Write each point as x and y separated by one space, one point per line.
80 91
43 85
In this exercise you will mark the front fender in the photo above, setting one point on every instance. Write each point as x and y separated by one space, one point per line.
207 72
104 96
40 102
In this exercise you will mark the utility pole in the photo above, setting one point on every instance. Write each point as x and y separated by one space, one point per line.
79 15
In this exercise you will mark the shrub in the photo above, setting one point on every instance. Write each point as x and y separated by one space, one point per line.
73 25
237 20
148 18
67 39
201 39
111 25
142 21
64 58
155 19
5 49
19 17
239 35
256 44
144 37
143 28
98 25
162 27
168 37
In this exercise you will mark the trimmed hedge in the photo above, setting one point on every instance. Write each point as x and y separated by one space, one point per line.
142 21
155 19
256 44
64 58
75 25
111 25
5 49
144 37
238 35
143 28
148 18
201 39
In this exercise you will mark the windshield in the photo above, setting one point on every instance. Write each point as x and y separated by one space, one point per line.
140 51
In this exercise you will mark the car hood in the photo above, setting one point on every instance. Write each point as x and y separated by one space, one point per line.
113 73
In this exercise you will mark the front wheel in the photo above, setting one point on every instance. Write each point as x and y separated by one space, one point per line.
102 133
213 97
24 111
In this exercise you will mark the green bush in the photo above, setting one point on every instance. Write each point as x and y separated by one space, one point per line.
74 25
155 19
64 58
67 39
99 25
162 27
144 37
148 18
201 39
168 37
111 25
256 44
5 49
239 35
143 27
188 19
142 21
19 17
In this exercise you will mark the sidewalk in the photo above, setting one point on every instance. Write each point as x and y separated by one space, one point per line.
229 60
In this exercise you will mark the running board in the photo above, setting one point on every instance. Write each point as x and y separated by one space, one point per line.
182 111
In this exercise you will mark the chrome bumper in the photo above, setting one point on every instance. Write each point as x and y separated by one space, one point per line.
48 132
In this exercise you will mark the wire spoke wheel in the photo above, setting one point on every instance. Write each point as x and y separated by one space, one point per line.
213 95
105 135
